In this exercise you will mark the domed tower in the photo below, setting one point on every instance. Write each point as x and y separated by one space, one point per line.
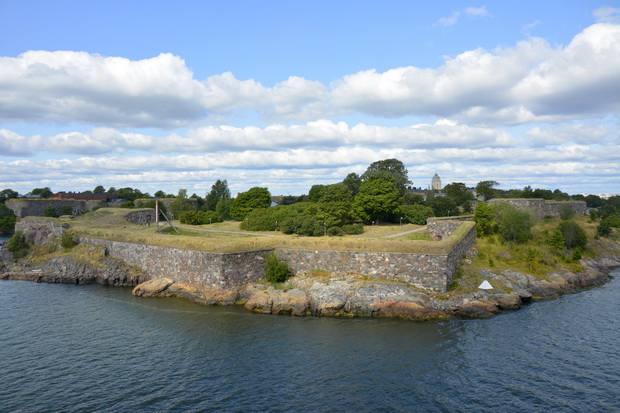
436 183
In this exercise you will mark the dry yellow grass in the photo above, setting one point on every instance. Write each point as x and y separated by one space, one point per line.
110 223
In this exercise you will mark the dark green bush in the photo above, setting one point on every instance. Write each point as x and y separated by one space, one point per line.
574 235
50 211
17 245
199 217
335 232
566 211
66 210
128 204
604 228
353 229
68 240
276 271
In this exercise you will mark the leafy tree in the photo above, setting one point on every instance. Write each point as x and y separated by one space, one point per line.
486 189
223 208
512 223
99 190
594 201
316 192
416 214
50 211
604 228
413 199
245 202
444 206
543 193
130 194
18 246
6 194
594 215
560 196
459 193
378 198
68 240
219 190
42 192
528 192
574 236
111 190
391 169
353 181
7 220
484 217
160 194
608 210
180 204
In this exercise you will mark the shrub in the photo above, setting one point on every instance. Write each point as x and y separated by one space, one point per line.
513 224
68 240
66 210
50 211
574 235
604 228
7 224
128 204
17 245
353 229
276 271
335 232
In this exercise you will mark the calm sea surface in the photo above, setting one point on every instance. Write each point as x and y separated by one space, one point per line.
93 348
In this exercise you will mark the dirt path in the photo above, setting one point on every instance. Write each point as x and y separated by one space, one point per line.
400 234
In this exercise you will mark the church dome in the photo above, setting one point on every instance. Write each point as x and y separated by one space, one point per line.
436 183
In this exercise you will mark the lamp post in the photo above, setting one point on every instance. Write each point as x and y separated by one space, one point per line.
325 228
401 221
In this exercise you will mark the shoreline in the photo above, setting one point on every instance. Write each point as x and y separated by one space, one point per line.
312 295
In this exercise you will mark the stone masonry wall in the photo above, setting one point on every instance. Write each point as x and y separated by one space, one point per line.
213 270
36 207
542 208
440 228
141 217
216 270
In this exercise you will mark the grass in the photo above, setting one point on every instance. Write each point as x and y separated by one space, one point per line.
535 257
110 223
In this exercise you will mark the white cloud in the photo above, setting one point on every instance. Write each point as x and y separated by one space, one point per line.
607 14
13 144
449 21
477 11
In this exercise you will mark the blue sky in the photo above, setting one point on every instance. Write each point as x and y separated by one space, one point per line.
156 95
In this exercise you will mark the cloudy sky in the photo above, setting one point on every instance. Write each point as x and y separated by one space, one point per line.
287 94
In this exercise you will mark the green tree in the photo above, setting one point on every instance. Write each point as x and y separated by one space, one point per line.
99 190
574 235
223 208
391 169
513 224
42 192
378 198
335 205
18 245
484 217
416 214
459 193
130 194
556 240
486 189
160 194
180 204
111 190
245 202
353 181
66 210
7 220
276 271
7 194
219 190
444 206
594 201
604 228
316 192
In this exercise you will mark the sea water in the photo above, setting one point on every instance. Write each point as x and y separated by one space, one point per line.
92 348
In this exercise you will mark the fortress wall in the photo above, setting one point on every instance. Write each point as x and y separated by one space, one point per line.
542 208
213 270
36 207
217 270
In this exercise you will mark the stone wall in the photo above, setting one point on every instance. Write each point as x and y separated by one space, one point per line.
141 217
217 270
213 270
36 207
440 228
429 271
542 208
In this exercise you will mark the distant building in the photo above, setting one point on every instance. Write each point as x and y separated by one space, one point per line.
436 183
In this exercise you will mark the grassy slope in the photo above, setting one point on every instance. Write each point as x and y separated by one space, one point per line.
535 257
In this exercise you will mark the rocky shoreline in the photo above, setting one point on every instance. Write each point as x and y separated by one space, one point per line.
340 296
328 295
